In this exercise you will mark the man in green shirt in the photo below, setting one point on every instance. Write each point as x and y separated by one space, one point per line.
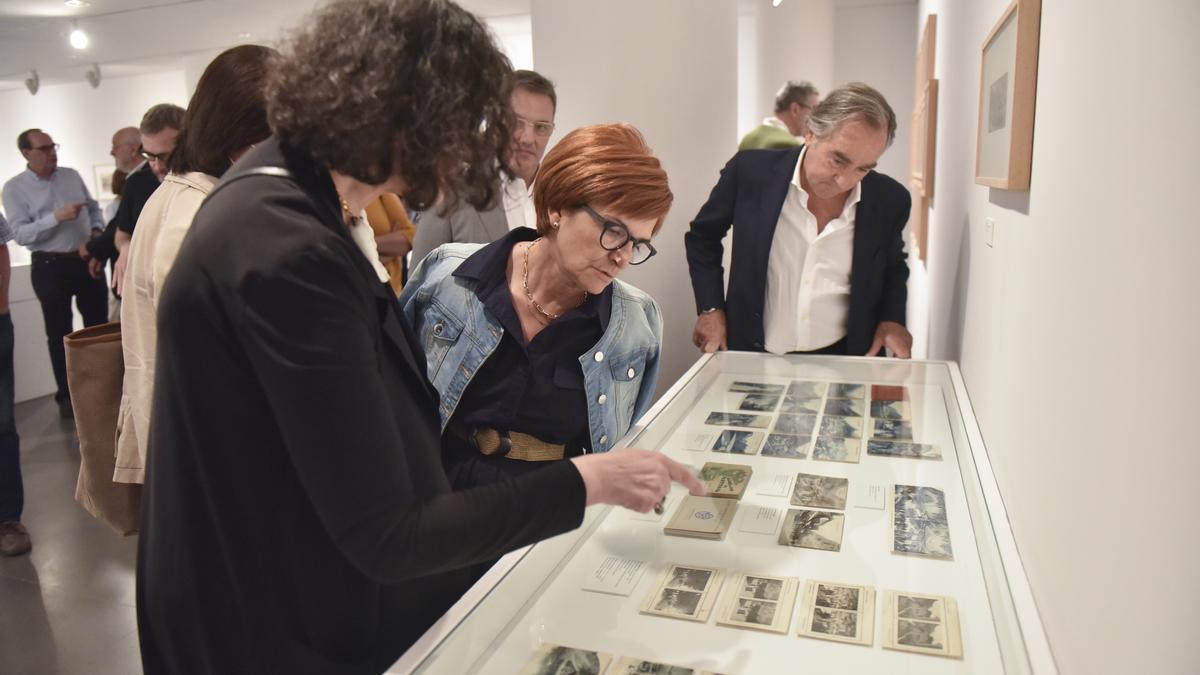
793 104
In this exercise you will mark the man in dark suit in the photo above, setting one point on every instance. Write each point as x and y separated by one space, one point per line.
818 263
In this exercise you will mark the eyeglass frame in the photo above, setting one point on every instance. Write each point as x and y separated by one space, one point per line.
607 224
154 156
522 122
45 148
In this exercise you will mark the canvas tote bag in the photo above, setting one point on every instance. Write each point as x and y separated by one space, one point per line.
95 372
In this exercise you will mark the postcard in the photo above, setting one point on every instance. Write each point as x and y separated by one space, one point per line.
820 530
844 427
903 449
919 524
787 445
833 449
726 481
795 424
760 402
805 389
822 492
891 410
888 392
923 624
554 659
892 430
839 612
844 407
702 517
738 420
756 388
760 602
738 442
684 592
843 390
794 404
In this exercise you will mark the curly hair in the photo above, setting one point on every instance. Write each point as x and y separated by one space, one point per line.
415 88
606 166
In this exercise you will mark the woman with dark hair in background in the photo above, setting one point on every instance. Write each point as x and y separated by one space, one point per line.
226 116
296 516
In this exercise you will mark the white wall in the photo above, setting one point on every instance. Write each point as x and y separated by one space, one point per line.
1077 331
82 120
679 87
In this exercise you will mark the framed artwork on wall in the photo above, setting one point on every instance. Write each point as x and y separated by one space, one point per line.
103 174
923 153
1007 96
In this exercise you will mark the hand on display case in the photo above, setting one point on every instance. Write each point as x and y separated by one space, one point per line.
709 335
635 479
895 337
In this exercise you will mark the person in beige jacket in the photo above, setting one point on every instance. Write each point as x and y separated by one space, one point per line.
226 117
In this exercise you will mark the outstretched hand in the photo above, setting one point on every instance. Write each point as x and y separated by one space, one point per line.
632 478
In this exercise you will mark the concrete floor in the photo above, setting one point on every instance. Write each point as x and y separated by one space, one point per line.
68 606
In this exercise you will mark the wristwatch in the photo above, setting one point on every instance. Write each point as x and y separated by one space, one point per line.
710 310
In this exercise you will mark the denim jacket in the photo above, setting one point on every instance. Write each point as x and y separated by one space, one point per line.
619 372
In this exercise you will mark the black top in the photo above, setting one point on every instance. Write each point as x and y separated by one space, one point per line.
750 193
537 387
296 517
138 187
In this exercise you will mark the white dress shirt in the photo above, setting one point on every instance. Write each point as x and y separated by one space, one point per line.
808 274
518 203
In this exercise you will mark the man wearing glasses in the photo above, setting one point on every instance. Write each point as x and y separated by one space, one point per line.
786 129
159 128
52 214
533 102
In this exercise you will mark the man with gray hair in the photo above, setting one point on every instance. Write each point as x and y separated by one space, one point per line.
793 104
803 220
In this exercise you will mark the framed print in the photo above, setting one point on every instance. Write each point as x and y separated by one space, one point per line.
1007 93
103 176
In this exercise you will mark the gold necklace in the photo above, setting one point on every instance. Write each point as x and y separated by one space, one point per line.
549 316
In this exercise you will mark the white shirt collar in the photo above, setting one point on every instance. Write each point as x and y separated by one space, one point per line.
777 123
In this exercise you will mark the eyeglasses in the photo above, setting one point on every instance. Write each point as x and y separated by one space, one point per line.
540 129
154 156
615 236
47 148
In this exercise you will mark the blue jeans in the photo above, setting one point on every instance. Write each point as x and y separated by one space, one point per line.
12 492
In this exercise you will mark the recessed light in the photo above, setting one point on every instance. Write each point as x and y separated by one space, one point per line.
776 3
77 3
79 39
243 36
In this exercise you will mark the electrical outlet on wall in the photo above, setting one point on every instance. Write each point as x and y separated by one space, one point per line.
989 230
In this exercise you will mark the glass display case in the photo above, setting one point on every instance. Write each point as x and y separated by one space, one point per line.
869 537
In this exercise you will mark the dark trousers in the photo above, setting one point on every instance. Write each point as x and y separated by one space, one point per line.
57 279
837 349
12 491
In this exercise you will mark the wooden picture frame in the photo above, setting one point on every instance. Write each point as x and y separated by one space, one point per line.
923 146
1007 96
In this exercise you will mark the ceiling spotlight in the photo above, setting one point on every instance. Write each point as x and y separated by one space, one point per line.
79 39
76 4
776 3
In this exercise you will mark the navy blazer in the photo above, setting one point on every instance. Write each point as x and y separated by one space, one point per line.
750 194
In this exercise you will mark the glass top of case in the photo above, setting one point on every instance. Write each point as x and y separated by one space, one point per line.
861 541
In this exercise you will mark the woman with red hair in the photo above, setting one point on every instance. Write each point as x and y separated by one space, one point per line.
538 351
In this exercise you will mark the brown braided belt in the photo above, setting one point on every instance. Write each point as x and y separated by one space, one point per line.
510 444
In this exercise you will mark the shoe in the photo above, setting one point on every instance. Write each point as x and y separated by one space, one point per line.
65 411
14 538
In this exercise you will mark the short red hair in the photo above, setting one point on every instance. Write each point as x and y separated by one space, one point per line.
607 166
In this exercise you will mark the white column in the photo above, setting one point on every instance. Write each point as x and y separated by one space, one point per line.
668 67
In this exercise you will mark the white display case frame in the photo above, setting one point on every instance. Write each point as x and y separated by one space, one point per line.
534 596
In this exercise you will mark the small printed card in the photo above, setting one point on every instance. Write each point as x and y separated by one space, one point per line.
726 481
551 658
615 576
773 485
702 517
699 441
871 496
761 519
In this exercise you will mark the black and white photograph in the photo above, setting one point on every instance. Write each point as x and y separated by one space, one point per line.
786 445
844 407
760 402
689 579
824 492
738 442
555 659
675 601
891 430
891 410
838 612
835 622
755 611
796 404
762 588
844 390
803 389
837 597
756 388
919 607
903 449
920 634
796 424
724 419
920 502
842 427
818 530
919 523
832 449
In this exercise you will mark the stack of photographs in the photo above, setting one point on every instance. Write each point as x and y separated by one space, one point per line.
807 528
919 525
821 492
759 602
702 518
553 659
841 428
725 481
685 592
924 624
838 612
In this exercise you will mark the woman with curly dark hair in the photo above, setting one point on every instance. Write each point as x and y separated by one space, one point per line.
296 515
